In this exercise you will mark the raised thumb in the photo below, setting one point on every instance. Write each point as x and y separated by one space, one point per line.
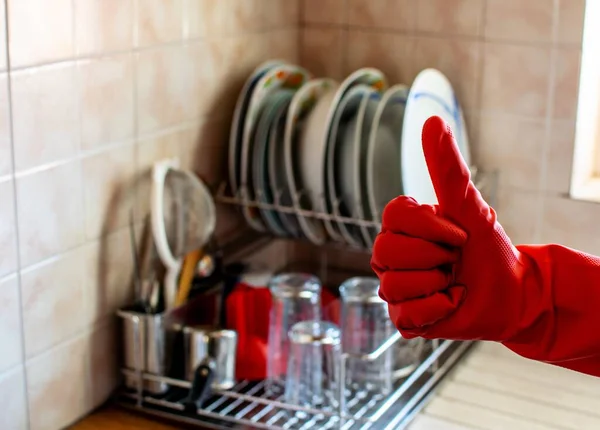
450 175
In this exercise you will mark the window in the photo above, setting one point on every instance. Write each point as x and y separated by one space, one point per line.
585 183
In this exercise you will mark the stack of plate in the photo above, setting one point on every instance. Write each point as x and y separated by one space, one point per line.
309 156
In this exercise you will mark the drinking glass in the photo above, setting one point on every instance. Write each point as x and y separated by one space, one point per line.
295 297
366 325
314 366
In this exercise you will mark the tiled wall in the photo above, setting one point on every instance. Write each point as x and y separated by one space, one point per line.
91 93
515 67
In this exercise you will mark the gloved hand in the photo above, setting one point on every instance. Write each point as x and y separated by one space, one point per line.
449 271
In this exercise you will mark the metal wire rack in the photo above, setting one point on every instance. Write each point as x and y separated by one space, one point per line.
486 183
248 405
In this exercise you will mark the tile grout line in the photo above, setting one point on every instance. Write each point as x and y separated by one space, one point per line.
16 220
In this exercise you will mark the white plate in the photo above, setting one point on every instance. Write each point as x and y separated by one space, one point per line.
307 115
383 176
261 183
284 76
369 77
365 116
237 125
342 168
430 95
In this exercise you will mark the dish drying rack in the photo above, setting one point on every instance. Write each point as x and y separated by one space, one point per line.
486 183
248 405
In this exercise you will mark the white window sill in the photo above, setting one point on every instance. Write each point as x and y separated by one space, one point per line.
588 190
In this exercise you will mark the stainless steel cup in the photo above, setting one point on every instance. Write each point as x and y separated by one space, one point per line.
146 347
220 345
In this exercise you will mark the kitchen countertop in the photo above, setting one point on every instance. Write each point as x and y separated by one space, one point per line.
114 418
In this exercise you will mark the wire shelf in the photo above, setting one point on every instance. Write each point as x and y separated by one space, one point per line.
486 183
247 405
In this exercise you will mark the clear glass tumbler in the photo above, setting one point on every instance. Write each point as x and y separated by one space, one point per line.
295 297
366 325
314 366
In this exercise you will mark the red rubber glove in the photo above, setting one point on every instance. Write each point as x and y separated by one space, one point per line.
449 271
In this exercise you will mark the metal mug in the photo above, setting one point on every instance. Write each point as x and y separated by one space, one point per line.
208 343
147 340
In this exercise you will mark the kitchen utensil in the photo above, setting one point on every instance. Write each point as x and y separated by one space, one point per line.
218 345
284 76
383 177
366 325
313 379
294 297
431 94
260 176
304 141
187 275
237 126
137 275
198 218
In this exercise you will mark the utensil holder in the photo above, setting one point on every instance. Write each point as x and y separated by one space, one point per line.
152 343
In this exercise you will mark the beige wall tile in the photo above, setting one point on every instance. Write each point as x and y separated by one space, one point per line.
281 14
62 372
513 146
46 97
517 20
567 63
204 18
106 100
461 17
10 326
322 51
570 21
109 270
50 211
383 14
175 84
560 156
244 17
366 49
108 190
40 31
459 60
515 79
102 360
53 301
202 150
519 214
5 137
8 236
324 11
283 44
571 223
14 402
162 88
158 21
103 26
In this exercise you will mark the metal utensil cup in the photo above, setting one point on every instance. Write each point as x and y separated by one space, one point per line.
219 345
147 340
